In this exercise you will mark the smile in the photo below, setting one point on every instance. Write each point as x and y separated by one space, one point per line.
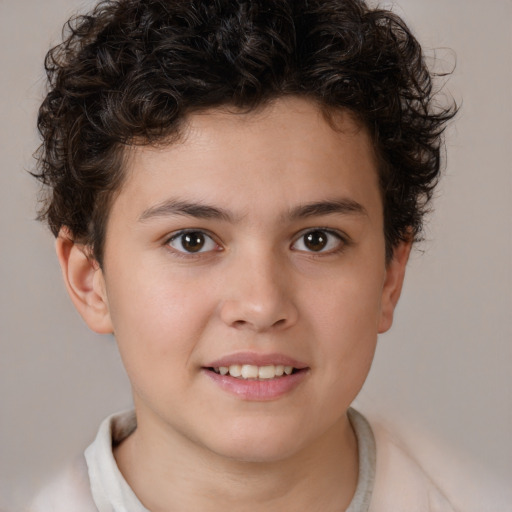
257 377
253 372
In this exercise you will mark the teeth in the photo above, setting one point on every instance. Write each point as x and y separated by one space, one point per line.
235 370
267 372
249 371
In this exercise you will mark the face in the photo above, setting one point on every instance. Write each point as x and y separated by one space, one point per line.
245 278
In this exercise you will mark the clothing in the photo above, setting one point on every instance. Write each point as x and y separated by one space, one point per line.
389 480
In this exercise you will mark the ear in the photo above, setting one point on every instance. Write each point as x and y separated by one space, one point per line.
395 273
84 281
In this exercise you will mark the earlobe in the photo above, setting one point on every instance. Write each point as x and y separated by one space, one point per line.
395 273
84 281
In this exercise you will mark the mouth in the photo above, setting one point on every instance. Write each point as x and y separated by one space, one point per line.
253 372
257 377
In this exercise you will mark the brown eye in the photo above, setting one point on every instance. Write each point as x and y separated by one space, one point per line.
318 240
315 240
192 242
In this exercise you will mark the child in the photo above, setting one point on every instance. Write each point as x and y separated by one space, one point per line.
235 188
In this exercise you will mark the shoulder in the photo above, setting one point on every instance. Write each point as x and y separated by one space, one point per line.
413 464
401 483
69 490
93 480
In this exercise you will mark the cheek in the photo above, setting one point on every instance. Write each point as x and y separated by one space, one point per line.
349 343
157 333
157 317
345 317
347 305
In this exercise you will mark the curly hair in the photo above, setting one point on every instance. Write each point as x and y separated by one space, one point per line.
130 71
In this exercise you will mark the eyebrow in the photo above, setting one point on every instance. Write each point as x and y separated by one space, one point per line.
329 207
173 207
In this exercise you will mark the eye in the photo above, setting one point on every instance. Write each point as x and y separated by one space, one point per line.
318 240
192 242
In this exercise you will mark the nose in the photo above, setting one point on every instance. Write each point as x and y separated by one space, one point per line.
259 295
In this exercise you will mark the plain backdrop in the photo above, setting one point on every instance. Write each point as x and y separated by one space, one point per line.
444 370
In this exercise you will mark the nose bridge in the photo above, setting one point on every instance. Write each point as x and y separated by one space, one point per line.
259 293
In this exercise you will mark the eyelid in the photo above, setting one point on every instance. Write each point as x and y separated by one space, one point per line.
344 240
177 234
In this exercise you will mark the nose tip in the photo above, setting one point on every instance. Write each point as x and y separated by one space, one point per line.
240 315
260 304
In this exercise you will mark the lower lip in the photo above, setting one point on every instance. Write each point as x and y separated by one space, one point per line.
258 390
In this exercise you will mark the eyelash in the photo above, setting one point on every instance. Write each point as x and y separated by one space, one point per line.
191 254
342 242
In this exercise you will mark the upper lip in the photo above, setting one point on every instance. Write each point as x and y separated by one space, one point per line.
255 359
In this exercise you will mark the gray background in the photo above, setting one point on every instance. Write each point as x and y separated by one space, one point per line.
443 370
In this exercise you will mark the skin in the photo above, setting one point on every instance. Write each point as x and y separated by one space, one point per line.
256 287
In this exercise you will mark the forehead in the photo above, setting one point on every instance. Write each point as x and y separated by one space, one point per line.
282 154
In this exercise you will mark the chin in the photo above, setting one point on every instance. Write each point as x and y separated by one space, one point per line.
256 453
258 443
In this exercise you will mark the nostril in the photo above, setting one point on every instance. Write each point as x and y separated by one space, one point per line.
244 323
259 315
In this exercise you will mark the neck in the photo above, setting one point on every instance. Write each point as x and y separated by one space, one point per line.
169 472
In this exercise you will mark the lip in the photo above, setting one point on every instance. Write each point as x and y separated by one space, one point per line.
256 360
257 390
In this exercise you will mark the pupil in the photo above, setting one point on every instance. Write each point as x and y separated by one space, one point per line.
315 241
192 242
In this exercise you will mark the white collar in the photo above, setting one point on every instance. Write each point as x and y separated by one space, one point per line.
111 492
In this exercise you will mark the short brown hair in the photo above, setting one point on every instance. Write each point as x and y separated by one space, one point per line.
130 71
